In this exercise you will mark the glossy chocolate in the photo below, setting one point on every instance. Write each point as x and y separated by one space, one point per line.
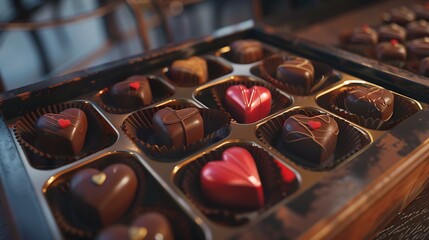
417 29
248 105
148 226
400 16
297 71
63 133
233 181
361 35
372 102
133 92
246 51
103 197
178 128
189 71
391 31
418 48
424 67
311 138
391 51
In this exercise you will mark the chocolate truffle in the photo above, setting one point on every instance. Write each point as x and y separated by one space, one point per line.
424 67
363 35
248 105
191 71
246 51
391 52
311 138
400 16
421 11
391 31
418 48
150 226
178 128
133 92
63 133
297 71
370 102
417 29
103 197
233 181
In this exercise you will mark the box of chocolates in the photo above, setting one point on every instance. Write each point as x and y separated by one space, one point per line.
240 135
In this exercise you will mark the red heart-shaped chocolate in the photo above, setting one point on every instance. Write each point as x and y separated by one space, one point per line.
108 193
233 182
248 105
148 226
63 133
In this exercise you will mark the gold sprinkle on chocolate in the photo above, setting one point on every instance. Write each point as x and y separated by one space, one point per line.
137 233
99 179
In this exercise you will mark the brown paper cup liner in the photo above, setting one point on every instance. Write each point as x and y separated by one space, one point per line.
99 135
350 139
413 65
215 68
361 49
62 201
275 189
138 127
160 91
396 63
322 73
402 109
278 102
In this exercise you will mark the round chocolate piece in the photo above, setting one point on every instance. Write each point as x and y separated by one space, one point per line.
63 133
400 16
424 67
390 51
189 71
297 71
418 48
363 35
133 92
149 226
103 196
417 29
391 31
370 102
246 51
311 138
178 128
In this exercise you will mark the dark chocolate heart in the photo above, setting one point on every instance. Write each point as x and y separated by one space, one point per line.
312 138
63 133
296 71
178 127
189 71
372 102
148 226
134 92
108 194
248 105
233 182
246 51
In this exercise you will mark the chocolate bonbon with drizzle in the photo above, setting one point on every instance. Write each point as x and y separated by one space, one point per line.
372 102
311 138
63 133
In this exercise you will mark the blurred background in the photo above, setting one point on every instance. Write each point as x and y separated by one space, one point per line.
40 39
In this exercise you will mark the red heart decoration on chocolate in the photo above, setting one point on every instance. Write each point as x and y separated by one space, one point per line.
109 192
134 85
248 105
314 124
233 182
64 123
